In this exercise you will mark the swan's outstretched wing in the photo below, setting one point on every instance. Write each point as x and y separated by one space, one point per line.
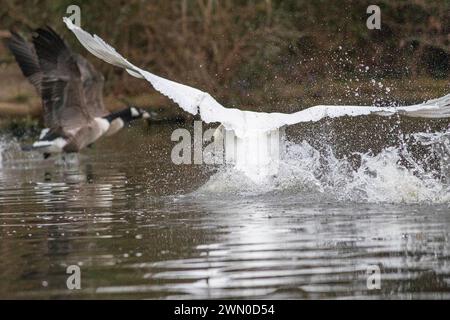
187 97
434 108
195 101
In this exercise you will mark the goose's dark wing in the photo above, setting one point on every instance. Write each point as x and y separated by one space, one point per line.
62 88
93 82
26 58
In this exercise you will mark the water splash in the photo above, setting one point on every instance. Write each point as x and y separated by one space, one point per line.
8 149
393 175
11 152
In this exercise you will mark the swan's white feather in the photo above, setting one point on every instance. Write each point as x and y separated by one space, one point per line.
243 123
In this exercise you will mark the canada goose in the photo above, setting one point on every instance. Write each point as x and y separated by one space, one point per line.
253 130
72 94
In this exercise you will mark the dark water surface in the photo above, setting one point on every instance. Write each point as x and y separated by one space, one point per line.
129 219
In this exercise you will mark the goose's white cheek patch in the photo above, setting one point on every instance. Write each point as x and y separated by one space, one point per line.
134 113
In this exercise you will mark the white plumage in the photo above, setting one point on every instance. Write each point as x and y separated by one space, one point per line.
50 146
241 122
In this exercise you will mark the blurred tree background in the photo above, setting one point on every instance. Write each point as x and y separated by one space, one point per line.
266 55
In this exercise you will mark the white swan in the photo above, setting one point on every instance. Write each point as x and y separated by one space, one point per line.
195 101
246 124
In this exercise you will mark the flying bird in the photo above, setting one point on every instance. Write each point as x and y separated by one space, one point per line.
242 122
71 90
252 140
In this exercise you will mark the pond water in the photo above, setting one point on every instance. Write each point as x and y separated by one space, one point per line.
139 226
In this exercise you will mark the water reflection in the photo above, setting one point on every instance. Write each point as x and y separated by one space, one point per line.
133 238
262 251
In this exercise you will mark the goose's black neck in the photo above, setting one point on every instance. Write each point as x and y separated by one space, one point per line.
124 114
